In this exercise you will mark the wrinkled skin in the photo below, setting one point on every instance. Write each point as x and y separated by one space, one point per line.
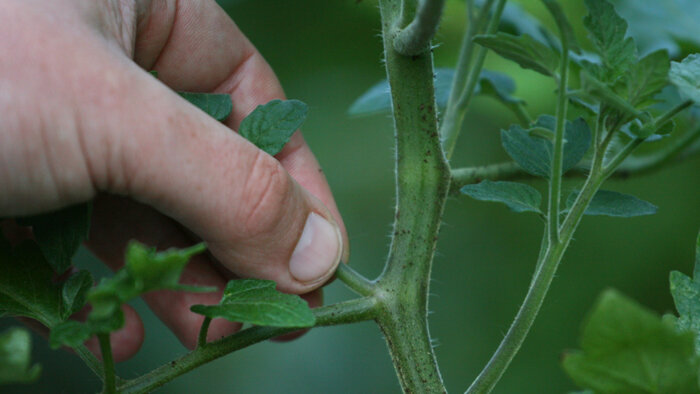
82 119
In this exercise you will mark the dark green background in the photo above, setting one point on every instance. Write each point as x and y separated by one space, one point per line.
327 53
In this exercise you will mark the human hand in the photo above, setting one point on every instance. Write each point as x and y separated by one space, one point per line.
81 119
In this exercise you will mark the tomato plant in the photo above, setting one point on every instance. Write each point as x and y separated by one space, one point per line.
620 110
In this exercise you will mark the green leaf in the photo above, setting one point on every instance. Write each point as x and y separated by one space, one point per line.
74 292
647 77
497 85
667 24
628 349
60 234
609 203
515 20
491 83
15 357
218 106
534 154
524 50
686 76
145 270
26 285
257 301
686 296
608 33
517 196
270 126
69 333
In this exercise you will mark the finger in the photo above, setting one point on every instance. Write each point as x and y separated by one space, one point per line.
195 46
116 221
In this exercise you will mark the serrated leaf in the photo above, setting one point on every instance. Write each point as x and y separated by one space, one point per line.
686 76
74 292
610 203
218 106
26 285
608 33
517 196
647 77
60 234
257 302
270 126
629 349
534 154
524 50
686 297
668 24
15 357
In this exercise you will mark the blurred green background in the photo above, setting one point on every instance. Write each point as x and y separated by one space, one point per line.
327 53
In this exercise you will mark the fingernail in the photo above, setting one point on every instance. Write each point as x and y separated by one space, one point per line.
317 253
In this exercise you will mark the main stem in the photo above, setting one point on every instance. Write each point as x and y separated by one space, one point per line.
422 182
108 362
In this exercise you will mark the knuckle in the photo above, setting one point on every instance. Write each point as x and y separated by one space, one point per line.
268 191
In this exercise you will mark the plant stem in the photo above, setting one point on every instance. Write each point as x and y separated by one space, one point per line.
539 287
108 364
463 90
670 114
415 38
558 155
422 181
90 360
352 311
203 331
354 280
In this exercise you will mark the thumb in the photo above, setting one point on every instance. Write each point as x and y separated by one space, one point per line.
256 219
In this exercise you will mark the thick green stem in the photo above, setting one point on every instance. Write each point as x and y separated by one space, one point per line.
108 364
463 91
415 38
558 155
352 311
422 181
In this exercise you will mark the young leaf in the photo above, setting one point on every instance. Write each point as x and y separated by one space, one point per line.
74 292
15 357
628 349
534 154
686 76
523 50
26 285
608 31
686 296
531 153
609 203
60 234
257 302
270 126
218 106
69 333
517 196
647 77
145 270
